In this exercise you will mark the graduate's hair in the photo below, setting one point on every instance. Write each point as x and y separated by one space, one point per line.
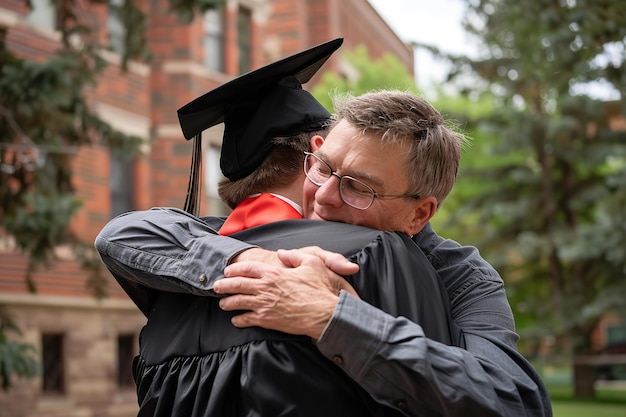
282 165
394 116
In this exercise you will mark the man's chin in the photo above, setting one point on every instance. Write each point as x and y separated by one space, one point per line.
315 216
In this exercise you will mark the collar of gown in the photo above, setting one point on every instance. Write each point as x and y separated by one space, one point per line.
260 209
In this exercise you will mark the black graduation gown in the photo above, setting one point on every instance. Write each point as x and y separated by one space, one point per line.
194 363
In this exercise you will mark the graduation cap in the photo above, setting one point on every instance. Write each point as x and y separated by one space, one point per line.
256 107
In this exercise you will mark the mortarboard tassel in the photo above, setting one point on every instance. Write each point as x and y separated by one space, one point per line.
192 201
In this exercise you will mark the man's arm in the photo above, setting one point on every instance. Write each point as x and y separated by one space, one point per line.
488 377
398 365
164 249
168 243
167 249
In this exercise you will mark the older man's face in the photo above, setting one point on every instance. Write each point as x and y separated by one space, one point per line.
380 166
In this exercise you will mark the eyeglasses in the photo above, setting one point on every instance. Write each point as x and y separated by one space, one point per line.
353 192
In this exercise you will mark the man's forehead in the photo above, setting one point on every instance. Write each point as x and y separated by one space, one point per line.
343 129
349 152
341 138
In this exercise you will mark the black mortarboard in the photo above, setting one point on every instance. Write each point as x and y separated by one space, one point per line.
258 106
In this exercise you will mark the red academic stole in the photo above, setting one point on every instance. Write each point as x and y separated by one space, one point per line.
255 211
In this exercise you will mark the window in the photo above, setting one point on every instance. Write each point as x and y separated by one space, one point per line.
244 26
125 356
43 14
115 29
121 184
213 42
616 335
52 363
212 177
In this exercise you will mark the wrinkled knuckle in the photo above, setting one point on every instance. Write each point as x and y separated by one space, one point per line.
247 320
271 276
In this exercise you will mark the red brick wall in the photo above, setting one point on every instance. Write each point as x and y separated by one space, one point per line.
59 278
91 180
18 6
299 24
31 45
360 24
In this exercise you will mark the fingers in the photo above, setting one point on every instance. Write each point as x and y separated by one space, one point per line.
258 255
292 258
238 285
298 300
245 320
248 269
340 265
336 282
334 261
345 285
237 302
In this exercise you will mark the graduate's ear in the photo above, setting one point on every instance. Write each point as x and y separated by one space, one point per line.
424 209
316 142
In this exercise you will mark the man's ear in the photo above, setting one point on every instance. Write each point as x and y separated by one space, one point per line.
316 142
424 209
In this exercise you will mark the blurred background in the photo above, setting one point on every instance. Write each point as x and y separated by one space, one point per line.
88 130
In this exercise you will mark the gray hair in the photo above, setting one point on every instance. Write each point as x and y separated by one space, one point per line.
399 117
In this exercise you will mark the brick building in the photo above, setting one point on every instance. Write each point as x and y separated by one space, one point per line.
85 345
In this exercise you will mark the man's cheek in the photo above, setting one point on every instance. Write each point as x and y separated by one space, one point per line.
308 201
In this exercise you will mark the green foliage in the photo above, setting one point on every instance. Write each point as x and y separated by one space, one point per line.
15 358
607 401
44 119
135 41
553 165
186 9
466 113
91 263
386 72
39 224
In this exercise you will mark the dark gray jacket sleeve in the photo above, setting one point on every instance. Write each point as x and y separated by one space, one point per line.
164 249
402 368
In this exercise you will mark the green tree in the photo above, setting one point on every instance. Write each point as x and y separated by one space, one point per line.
366 74
551 208
15 358
467 113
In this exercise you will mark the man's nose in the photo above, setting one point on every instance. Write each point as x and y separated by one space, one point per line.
328 193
